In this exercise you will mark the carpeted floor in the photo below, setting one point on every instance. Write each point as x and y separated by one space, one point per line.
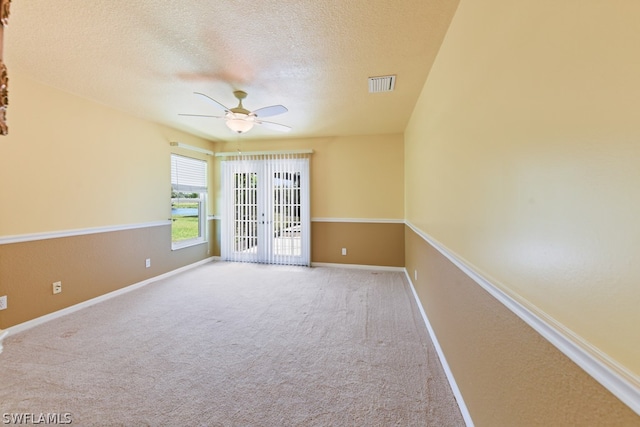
228 344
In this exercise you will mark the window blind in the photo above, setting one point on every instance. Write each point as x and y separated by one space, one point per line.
265 216
188 175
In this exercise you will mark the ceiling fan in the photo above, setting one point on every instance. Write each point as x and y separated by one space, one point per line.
241 120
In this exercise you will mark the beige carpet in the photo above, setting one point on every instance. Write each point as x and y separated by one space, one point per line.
229 344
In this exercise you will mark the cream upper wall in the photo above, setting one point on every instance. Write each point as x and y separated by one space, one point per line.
351 176
522 156
69 163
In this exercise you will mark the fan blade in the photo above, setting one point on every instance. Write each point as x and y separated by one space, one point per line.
274 126
201 115
211 100
272 110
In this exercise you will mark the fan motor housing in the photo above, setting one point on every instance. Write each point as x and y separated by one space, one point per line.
240 94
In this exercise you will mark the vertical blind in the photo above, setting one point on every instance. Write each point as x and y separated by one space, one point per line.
266 216
188 175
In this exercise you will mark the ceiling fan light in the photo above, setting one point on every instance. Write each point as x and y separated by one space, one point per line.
239 123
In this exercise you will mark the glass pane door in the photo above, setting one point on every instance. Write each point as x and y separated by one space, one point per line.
268 209
245 213
287 227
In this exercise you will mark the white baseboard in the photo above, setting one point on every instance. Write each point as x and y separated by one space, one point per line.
56 314
358 266
3 334
443 360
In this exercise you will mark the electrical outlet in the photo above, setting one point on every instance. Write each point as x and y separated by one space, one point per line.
344 251
147 263
3 302
415 274
57 287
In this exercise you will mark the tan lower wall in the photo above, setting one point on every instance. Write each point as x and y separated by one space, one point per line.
88 266
380 244
508 374
214 237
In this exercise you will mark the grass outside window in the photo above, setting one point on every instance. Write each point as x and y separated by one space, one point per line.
185 226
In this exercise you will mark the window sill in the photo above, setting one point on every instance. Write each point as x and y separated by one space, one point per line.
187 244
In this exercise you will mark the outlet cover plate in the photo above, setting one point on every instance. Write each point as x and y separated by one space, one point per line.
57 287
3 302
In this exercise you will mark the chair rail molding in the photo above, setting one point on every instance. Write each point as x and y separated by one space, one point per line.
615 377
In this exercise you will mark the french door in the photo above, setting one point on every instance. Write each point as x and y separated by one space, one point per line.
266 210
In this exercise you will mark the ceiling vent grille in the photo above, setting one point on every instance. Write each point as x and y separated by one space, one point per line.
382 84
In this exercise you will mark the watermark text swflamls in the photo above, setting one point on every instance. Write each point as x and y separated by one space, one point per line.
42 418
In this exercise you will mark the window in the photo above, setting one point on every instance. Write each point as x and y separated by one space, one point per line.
188 201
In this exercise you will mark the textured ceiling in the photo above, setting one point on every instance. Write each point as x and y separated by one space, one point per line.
147 57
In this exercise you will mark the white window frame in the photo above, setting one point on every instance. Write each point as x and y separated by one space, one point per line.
189 175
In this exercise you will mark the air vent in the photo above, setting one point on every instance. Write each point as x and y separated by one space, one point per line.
381 84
